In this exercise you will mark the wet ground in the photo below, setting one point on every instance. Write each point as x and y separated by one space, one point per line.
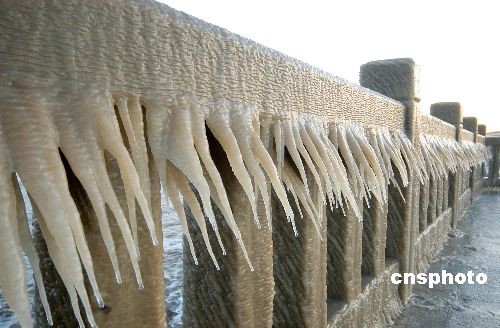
474 246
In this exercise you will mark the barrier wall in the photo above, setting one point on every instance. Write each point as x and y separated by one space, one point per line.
157 61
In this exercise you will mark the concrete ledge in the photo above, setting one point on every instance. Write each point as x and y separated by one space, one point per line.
467 136
434 126
376 306
431 240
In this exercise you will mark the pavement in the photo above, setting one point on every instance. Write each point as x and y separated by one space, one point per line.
473 246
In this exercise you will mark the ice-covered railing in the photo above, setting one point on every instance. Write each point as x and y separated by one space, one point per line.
79 121
447 155
151 88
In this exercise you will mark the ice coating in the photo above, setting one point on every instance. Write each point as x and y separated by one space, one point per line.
39 125
442 155
236 128
29 247
81 121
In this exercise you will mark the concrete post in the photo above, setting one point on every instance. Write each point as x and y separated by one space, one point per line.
433 192
398 79
493 142
495 165
439 197
374 238
451 112
481 129
344 258
300 268
233 296
126 305
470 124
445 194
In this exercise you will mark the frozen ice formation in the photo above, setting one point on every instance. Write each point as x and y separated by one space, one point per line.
37 125
40 123
442 156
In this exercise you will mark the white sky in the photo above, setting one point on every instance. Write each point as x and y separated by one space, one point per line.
455 43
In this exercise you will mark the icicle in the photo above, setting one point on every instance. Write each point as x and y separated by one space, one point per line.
333 163
113 143
340 175
241 124
290 179
265 160
47 173
278 140
409 155
129 131
291 146
360 148
178 147
81 125
12 271
29 247
372 139
104 185
395 155
318 161
305 155
183 187
218 121
202 147
371 160
352 168
60 265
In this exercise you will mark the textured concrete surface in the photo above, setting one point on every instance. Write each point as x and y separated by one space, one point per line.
431 125
166 51
481 128
145 47
450 112
233 296
395 78
470 124
377 305
473 246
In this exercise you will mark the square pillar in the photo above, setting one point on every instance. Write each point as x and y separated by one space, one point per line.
470 124
300 267
452 113
481 129
344 259
233 296
398 79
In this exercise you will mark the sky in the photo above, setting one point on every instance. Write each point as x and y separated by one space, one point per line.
455 43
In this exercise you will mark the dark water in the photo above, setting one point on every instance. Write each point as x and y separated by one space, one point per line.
172 248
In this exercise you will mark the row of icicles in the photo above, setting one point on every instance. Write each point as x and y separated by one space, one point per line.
344 162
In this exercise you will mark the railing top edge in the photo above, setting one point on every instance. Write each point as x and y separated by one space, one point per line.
467 135
221 31
434 126
133 25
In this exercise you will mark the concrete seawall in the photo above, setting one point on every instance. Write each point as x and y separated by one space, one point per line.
369 185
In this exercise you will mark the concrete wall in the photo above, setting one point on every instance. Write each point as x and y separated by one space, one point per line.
339 278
